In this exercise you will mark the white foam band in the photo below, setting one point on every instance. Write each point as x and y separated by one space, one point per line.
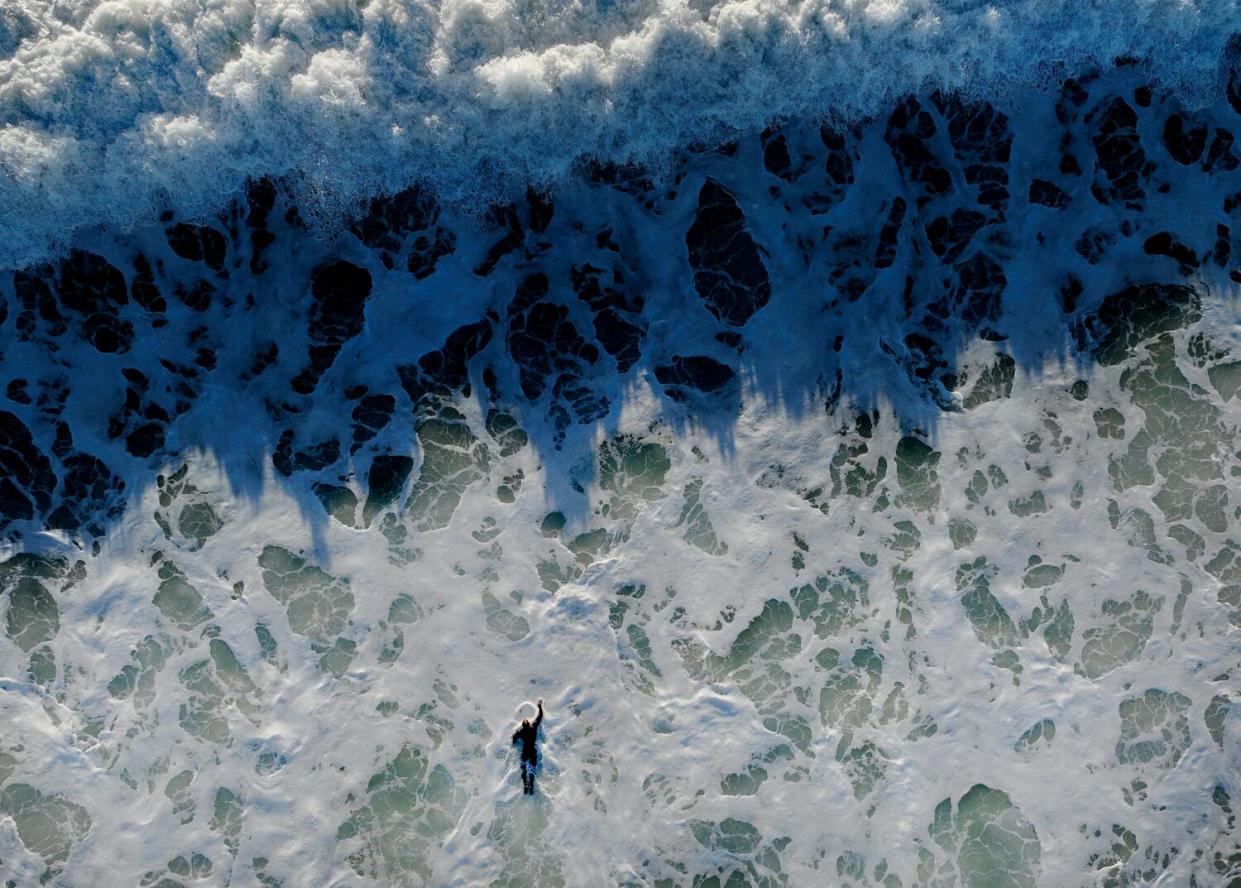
113 111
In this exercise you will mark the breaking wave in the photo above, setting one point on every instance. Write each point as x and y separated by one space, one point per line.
113 111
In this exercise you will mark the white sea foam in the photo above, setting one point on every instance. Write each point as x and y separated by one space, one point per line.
937 608
113 110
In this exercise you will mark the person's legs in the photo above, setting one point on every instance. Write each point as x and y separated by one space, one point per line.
527 777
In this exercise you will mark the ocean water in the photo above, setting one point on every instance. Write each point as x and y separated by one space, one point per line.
112 112
830 410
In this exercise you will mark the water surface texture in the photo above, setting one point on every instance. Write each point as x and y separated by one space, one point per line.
851 463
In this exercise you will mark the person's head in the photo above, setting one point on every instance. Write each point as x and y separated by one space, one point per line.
525 722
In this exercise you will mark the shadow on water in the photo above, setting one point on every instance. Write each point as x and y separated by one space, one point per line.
913 265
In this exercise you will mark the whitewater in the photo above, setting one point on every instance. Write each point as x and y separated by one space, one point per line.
831 410
113 112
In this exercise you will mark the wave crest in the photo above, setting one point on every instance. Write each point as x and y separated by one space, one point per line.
115 110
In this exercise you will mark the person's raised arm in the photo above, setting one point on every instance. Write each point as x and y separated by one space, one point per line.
538 719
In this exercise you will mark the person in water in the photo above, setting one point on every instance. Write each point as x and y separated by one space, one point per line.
528 736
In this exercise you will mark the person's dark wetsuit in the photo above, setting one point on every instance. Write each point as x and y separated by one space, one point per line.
528 737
